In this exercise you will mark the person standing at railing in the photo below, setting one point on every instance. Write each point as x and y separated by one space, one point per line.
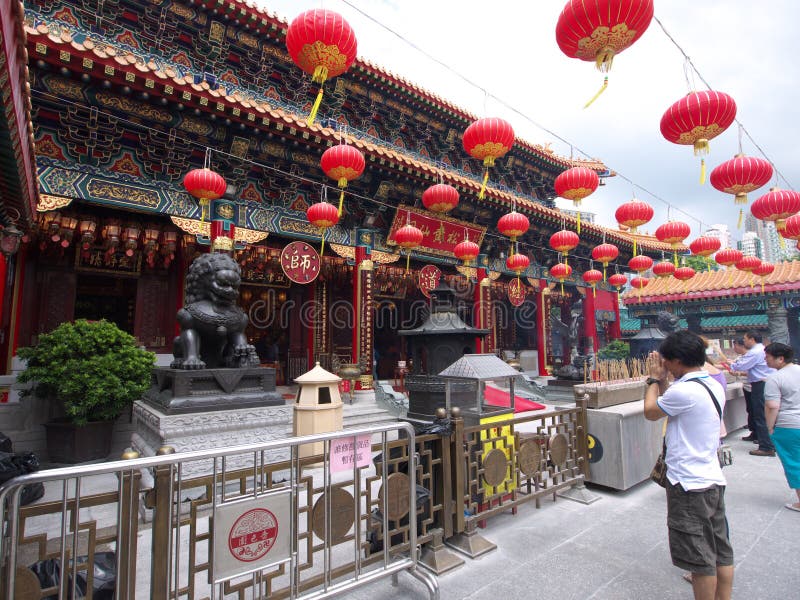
782 411
698 529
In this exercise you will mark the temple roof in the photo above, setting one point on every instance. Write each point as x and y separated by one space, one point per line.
18 185
482 367
717 284
633 325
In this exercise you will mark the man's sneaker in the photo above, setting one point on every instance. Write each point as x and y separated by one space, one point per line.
760 452
750 438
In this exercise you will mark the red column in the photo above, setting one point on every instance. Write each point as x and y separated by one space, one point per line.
541 330
478 316
16 305
615 329
589 324
362 312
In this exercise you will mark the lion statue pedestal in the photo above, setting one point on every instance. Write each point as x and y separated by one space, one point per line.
214 394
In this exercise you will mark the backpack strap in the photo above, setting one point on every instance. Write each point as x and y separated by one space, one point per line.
710 393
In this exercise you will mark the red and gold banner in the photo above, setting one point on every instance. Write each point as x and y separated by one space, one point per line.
428 278
440 235
516 292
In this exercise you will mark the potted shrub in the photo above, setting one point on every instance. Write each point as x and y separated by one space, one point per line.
91 371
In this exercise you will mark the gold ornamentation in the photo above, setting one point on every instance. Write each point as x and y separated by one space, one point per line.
222 243
616 39
51 202
319 53
700 133
130 106
196 227
225 211
344 251
126 194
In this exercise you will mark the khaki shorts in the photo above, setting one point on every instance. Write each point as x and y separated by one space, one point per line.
698 529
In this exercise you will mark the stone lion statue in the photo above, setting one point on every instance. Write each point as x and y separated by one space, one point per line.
667 322
212 325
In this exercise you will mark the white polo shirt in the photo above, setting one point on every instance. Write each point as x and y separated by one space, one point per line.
693 432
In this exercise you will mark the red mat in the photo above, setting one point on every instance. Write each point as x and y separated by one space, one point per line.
497 397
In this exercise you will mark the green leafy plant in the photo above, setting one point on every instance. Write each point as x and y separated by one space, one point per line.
93 368
614 350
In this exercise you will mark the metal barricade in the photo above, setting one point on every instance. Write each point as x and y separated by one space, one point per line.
307 517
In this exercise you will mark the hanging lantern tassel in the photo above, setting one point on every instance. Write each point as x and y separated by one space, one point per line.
675 257
562 287
633 232
782 241
322 235
594 291
604 271
320 75
579 221
762 284
408 260
487 162
700 149
741 216
204 204
342 185
600 91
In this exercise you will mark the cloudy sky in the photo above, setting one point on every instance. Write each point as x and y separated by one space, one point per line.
507 47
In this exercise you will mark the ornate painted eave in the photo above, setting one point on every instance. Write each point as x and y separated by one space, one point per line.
710 285
18 186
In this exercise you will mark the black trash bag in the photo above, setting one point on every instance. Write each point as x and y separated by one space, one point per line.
394 453
5 443
105 576
374 538
21 463
437 426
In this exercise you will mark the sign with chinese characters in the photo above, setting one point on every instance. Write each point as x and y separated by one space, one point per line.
440 235
516 292
428 279
300 262
250 535
100 260
347 451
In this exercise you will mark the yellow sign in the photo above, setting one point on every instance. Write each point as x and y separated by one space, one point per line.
500 437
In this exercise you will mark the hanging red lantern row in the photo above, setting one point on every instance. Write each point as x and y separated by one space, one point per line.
697 118
663 269
705 246
205 185
684 274
576 184
673 233
408 237
466 251
487 140
776 205
748 264
342 163
764 270
592 277
740 176
323 45
605 253
640 263
597 30
564 241
322 215
561 271
440 198
639 283
633 214
728 257
513 225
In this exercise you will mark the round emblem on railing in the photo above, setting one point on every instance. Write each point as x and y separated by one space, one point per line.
559 447
494 467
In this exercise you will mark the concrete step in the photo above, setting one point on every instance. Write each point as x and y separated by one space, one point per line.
364 414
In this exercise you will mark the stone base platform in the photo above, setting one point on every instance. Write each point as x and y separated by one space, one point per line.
214 429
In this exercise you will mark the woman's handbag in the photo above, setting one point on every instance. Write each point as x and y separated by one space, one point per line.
659 472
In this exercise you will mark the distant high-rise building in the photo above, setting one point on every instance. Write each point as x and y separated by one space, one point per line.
771 248
751 245
586 217
720 232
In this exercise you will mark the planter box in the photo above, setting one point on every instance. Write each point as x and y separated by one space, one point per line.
611 394
69 443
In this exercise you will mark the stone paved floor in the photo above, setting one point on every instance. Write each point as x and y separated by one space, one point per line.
616 548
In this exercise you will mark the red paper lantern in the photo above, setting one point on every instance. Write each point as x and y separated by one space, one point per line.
466 251
748 263
440 198
563 241
632 214
408 237
518 263
605 253
597 30
576 184
592 277
487 140
791 230
728 257
513 225
673 233
322 215
561 271
684 273
323 45
764 270
705 245
639 283
741 175
205 185
776 205
640 263
663 269
344 164
618 280
697 118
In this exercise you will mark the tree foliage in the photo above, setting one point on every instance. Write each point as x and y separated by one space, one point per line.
93 368
614 350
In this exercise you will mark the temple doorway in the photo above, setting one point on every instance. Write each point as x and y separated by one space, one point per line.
106 297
